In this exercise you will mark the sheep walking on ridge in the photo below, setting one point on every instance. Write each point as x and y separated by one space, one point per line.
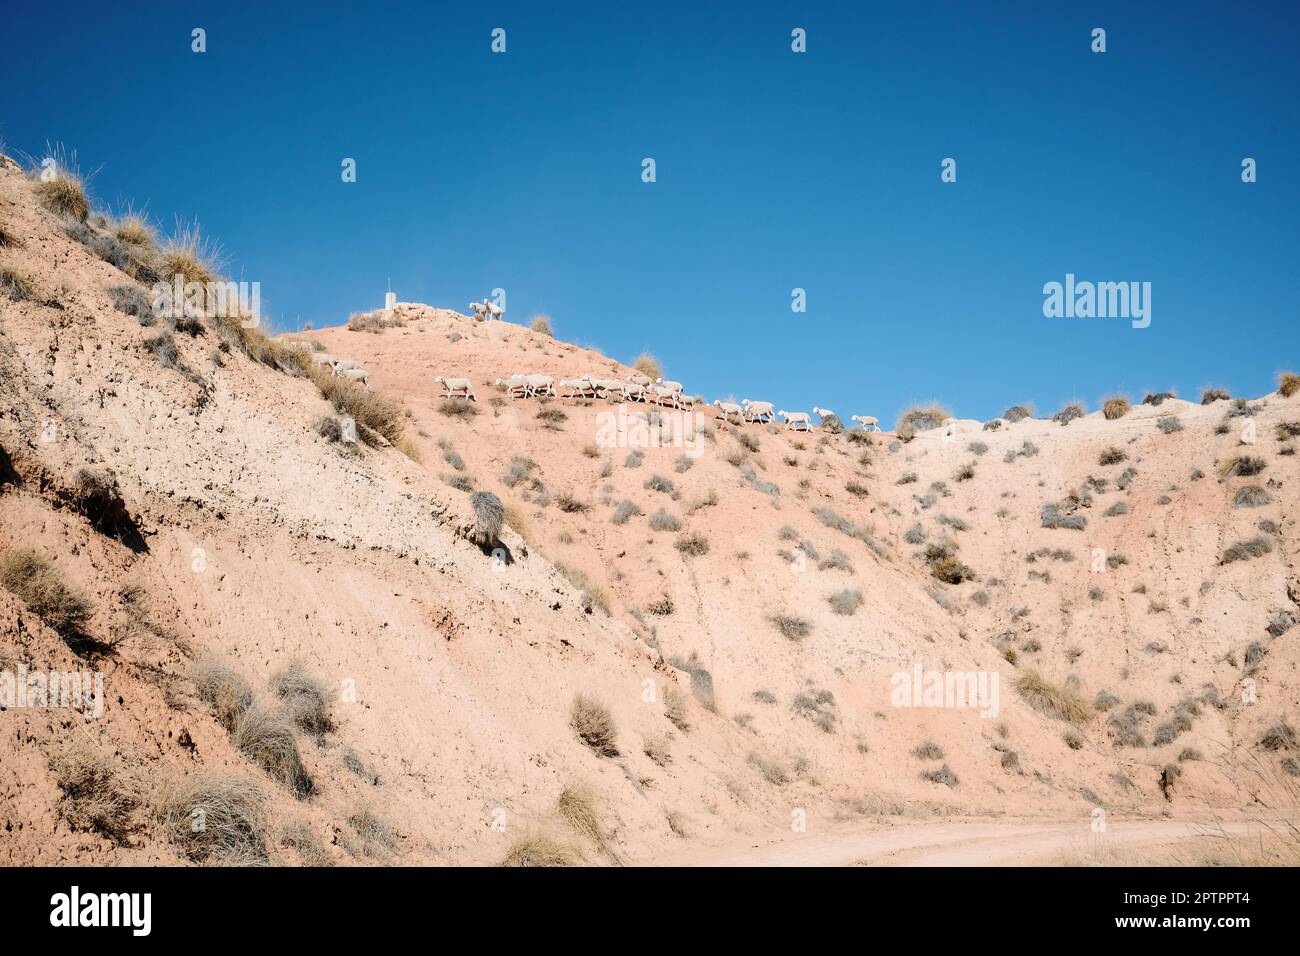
642 380
729 409
540 384
634 391
355 375
671 386
323 358
457 387
799 421
663 396
516 386
606 385
342 365
869 422
830 421
576 387
762 412
486 310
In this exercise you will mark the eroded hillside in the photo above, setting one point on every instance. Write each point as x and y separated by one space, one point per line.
739 607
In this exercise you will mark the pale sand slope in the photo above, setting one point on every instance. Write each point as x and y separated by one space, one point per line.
464 672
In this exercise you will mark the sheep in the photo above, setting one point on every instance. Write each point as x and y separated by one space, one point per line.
866 421
342 365
663 396
687 402
830 421
607 385
454 385
356 375
634 391
576 387
799 421
729 409
516 386
672 386
757 411
540 384
486 310
642 380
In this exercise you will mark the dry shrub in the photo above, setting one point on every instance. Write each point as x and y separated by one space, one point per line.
577 807
374 837
187 254
648 365
64 195
1116 407
37 583
541 324
305 699
95 796
1061 703
1112 456
1288 383
692 545
224 690
791 626
266 738
370 410
1211 395
1245 550
921 418
675 707
216 820
17 285
536 847
594 725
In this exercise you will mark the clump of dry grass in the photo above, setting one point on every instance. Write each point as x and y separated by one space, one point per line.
1017 413
675 707
222 689
1069 413
370 410
374 322
541 324
266 738
63 609
17 285
1288 383
921 418
1255 547
1112 456
186 253
772 770
216 820
305 699
656 748
692 545
594 725
791 626
1116 407
1242 466
374 837
845 602
1211 395
64 193
1061 703
537 847
648 365
95 796
1251 496
577 806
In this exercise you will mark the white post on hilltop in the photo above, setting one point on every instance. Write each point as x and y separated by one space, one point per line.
390 300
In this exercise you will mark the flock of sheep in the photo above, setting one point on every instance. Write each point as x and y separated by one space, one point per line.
343 368
639 388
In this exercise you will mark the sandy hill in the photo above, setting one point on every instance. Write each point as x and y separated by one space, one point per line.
300 645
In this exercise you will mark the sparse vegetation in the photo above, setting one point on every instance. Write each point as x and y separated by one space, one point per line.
648 365
594 725
692 545
1251 496
1169 424
1245 550
661 520
1288 383
266 738
1116 407
234 821
541 324
1212 395
1069 413
96 796
1242 466
1112 456
791 626
39 585
845 602
1060 703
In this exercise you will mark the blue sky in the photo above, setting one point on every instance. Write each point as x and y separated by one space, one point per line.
775 170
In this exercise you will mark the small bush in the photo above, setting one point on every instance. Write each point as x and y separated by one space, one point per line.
1251 496
37 583
692 545
1212 395
95 796
304 698
661 520
224 690
748 441
520 468
541 324
594 725
18 286
539 848
1245 550
569 504
659 483
1288 383
921 418
675 708
1112 456
977 448
1116 407
1016 413
791 626
552 418
771 770
634 459
1069 413
625 511
1243 466
1158 398
578 808
648 365
927 751
267 739
1053 518
1061 703
943 775
1279 737
234 822
461 408
64 195
1169 424
131 300
845 602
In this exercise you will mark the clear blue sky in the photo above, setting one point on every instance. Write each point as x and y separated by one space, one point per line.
775 170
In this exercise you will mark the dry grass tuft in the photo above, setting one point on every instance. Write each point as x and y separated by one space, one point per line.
224 690
594 725
648 365
577 807
791 626
1061 703
541 324
216 821
1116 407
36 581
266 738
305 699
95 796
536 847
1288 383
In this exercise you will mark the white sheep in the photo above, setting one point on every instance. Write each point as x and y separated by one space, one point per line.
663 396
729 409
323 358
607 385
486 309
342 365
355 375
634 391
758 411
799 421
824 412
576 387
540 384
868 422
516 386
672 386
642 380
687 402
454 385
